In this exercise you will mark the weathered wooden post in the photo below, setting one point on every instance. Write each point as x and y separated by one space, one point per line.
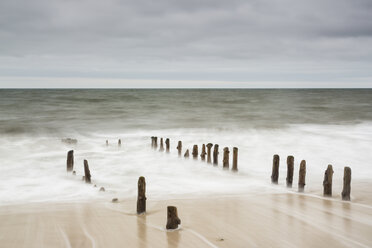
106 142
290 168
70 160
152 141
187 154
141 198
275 170
167 145
161 149
172 218
179 148
235 159
86 172
215 154
195 152
226 158
347 188
301 177
155 142
203 153
327 182
209 159
119 142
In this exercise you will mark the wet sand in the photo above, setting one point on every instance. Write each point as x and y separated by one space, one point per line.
267 220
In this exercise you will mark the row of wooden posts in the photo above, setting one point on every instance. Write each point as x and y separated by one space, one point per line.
119 142
205 152
327 182
172 215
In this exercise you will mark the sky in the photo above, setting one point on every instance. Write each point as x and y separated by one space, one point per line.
185 43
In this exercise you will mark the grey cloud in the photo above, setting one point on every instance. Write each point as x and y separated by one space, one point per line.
194 39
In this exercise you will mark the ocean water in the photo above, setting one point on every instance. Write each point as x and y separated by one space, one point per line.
321 126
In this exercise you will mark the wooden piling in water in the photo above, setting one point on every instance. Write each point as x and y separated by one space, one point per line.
327 182
235 159
155 142
161 149
203 153
152 141
215 154
209 159
187 154
141 197
172 218
275 170
302 176
119 142
290 168
347 181
86 172
195 152
106 142
179 148
167 144
70 160
225 160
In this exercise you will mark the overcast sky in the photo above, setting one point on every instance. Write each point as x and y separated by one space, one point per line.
185 43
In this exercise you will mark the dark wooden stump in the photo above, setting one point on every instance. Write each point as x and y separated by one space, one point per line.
70 160
275 170
119 142
161 149
152 141
141 198
302 176
179 148
106 142
155 142
215 154
187 154
327 182
203 153
195 152
225 160
290 168
172 218
347 188
209 159
167 145
235 159
86 172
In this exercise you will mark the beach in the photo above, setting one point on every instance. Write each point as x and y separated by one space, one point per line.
257 220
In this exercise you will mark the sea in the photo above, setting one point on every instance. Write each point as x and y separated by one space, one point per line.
321 126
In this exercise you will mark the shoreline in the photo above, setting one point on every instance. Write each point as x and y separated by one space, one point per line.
266 220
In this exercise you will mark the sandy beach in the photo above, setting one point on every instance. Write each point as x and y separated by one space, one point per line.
266 220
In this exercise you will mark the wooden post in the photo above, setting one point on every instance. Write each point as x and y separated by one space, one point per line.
301 177
155 142
161 149
152 141
70 160
86 172
172 218
179 148
187 154
327 182
347 188
119 142
141 198
167 145
226 158
275 170
203 153
235 159
215 155
209 159
195 152
106 142
290 167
